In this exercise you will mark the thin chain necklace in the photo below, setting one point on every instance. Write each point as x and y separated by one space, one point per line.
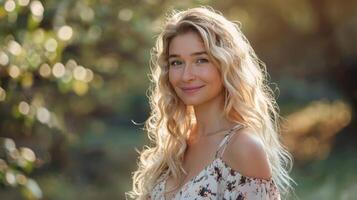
223 130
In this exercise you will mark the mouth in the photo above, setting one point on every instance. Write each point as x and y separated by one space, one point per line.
191 89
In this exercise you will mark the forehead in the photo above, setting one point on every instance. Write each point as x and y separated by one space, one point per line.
186 44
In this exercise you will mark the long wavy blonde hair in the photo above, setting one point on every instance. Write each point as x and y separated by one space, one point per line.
248 100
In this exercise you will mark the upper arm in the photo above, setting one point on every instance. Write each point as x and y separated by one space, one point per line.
246 154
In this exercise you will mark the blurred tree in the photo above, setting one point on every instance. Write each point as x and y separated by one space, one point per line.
34 83
47 98
15 165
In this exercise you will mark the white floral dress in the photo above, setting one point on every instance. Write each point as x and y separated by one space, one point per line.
217 181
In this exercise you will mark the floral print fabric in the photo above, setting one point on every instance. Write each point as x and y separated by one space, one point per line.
218 181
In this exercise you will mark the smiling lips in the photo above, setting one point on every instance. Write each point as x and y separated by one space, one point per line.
191 89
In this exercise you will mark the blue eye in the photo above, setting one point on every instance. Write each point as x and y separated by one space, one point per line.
175 63
202 60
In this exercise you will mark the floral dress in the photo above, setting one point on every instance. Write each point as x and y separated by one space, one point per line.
217 181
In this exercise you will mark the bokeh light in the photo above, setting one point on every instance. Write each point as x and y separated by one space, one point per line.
89 75
35 189
58 70
71 64
37 8
80 87
24 108
14 48
79 73
9 144
14 71
14 154
28 154
87 14
51 45
21 179
10 5
65 33
2 94
43 115
23 2
125 14
67 77
45 70
4 59
10 178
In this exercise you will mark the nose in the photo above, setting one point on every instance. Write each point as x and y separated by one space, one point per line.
188 73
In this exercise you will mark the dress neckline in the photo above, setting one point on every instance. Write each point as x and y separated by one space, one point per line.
189 181
223 141
220 160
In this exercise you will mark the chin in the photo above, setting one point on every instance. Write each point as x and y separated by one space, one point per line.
193 102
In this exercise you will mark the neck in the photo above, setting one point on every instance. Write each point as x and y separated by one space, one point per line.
210 118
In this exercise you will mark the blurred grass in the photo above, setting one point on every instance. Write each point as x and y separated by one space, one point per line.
113 158
329 179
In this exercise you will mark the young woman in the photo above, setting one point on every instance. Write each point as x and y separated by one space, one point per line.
214 121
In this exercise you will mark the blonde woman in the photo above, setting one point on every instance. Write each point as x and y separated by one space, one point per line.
214 121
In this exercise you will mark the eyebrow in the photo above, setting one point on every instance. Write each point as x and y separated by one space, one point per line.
192 54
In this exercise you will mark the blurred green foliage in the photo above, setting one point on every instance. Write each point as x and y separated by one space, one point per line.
73 77
15 167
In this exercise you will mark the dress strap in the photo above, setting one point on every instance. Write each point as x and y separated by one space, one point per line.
222 146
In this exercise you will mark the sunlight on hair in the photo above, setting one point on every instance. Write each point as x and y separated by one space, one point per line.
248 101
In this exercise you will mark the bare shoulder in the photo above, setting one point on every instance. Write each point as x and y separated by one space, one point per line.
245 153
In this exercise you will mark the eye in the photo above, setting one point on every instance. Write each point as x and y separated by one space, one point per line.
202 60
175 63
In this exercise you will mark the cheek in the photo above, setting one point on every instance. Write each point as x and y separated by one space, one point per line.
212 75
173 78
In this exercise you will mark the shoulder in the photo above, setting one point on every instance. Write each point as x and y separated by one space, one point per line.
245 153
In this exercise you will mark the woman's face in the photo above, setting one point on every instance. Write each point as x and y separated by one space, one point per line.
194 77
